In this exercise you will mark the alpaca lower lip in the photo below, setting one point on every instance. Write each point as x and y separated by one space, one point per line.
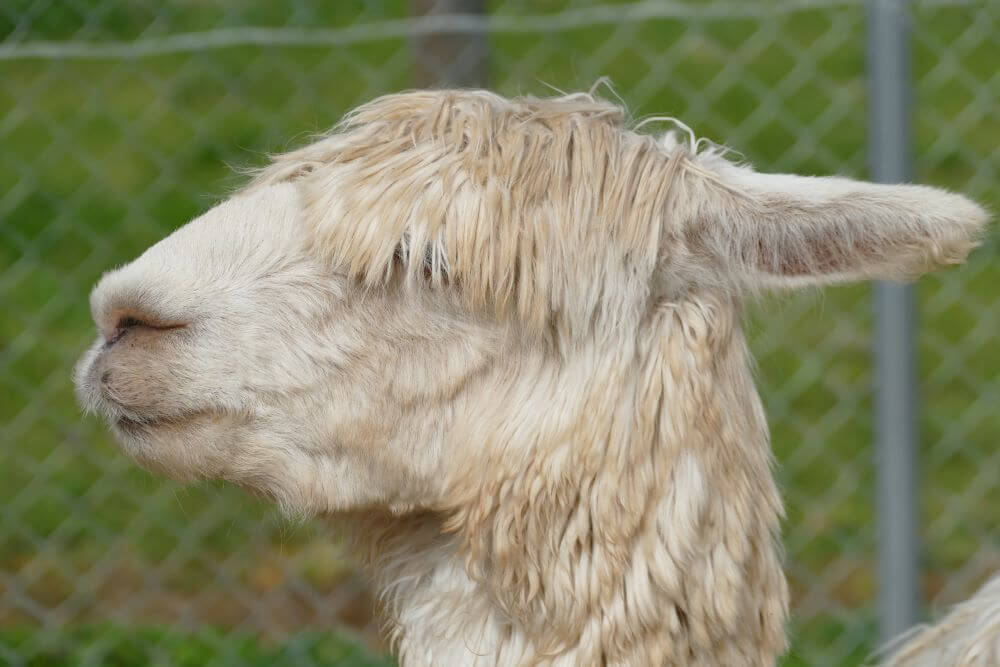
133 427
137 427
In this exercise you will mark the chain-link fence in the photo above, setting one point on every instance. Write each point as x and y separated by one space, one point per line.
120 120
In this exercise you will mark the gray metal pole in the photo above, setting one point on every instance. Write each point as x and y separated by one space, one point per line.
895 359
442 59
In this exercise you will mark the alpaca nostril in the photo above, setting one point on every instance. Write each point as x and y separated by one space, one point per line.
123 326
105 377
127 323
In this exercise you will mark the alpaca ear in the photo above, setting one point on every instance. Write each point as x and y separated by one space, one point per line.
782 230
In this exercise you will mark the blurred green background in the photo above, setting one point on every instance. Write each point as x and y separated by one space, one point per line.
100 563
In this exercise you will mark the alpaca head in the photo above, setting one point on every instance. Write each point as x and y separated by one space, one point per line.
232 350
520 314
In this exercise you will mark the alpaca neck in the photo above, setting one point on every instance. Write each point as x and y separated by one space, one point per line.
638 531
434 613
635 520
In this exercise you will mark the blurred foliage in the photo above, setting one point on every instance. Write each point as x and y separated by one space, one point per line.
112 646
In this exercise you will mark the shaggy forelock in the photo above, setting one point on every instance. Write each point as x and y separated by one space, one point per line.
551 209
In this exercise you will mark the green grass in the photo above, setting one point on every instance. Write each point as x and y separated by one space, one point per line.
99 159
115 646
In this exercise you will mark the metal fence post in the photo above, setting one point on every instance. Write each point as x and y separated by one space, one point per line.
442 59
895 366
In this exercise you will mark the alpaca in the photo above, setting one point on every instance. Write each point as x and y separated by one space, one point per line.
969 635
500 341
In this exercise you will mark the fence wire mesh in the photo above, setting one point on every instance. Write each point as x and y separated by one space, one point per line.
120 120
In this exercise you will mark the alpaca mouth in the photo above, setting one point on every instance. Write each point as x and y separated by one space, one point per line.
132 426
138 427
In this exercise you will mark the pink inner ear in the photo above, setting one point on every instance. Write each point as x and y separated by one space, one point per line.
822 259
